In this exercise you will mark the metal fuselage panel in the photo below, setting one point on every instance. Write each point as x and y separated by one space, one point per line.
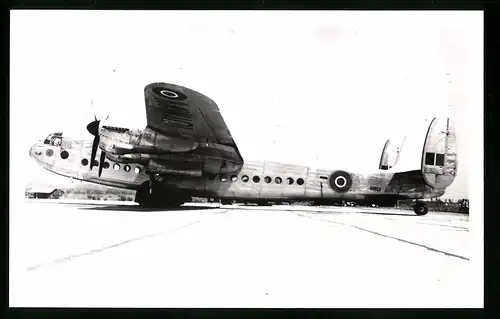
240 185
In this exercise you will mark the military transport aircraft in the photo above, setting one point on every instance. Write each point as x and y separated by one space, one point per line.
187 150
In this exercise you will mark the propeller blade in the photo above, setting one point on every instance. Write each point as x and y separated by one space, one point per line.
93 127
94 151
101 162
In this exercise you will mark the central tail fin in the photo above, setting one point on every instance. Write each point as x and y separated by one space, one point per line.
390 155
439 155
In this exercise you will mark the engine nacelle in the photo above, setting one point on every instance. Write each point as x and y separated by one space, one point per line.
122 141
175 168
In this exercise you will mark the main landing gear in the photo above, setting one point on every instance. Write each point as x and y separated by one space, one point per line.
153 195
420 208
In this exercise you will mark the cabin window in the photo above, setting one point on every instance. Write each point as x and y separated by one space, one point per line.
234 178
245 178
64 154
85 162
323 177
49 152
278 180
289 180
429 158
95 163
268 179
300 181
439 159
127 168
137 170
223 178
211 177
105 165
256 179
116 166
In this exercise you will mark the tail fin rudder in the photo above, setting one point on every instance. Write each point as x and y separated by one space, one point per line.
390 155
439 155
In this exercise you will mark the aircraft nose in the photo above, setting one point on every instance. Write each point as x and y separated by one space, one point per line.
34 151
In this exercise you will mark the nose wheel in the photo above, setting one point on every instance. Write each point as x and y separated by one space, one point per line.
420 209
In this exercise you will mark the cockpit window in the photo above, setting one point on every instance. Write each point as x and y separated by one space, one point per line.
54 139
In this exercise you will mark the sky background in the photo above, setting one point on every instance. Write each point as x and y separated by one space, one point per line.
322 89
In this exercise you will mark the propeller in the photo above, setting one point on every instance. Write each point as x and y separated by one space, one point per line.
93 128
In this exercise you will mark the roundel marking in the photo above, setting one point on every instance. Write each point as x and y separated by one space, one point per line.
340 181
169 94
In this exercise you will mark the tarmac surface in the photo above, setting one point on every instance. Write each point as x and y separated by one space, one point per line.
115 254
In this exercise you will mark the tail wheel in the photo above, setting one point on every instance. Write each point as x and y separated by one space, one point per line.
420 209
340 181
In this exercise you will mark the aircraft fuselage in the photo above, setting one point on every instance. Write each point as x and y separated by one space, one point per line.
256 180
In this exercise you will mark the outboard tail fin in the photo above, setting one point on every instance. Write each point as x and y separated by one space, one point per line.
390 155
439 156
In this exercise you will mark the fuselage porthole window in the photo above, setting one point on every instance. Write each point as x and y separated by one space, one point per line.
234 178
268 179
289 180
300 181
127 168
116 167
137 169
85 162
256 179
223 178
245 178
278 180
105 165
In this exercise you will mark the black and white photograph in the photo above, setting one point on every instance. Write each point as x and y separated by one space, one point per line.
256 159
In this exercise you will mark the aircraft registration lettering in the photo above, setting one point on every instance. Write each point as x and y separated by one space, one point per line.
175 115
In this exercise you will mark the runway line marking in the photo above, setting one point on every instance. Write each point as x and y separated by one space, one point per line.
391 237
94 251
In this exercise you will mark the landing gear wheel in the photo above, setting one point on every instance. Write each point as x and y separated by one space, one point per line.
420 209
156 199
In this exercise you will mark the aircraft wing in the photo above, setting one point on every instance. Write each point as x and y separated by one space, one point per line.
177 111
